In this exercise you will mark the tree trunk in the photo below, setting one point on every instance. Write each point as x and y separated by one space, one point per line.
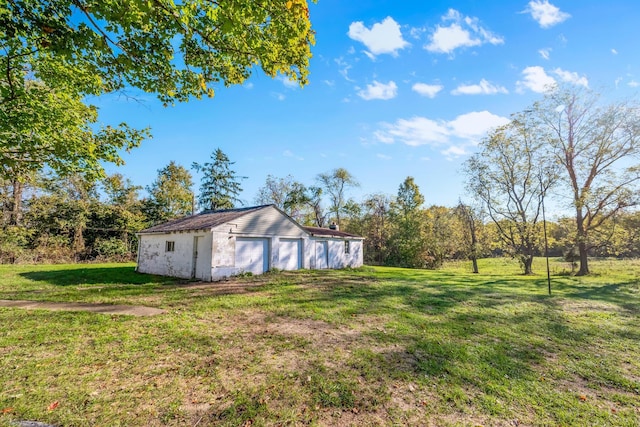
527 264
474 261
584 259
582 244
16 203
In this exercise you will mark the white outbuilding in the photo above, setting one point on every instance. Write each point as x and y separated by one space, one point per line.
218 244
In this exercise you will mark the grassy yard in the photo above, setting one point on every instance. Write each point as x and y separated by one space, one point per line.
372 346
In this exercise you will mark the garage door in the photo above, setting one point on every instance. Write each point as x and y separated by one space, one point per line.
322 253
252 255
289 254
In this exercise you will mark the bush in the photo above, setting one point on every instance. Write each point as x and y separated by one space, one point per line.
111 249
13 244
54 249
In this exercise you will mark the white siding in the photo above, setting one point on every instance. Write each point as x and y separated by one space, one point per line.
266 222
289 254
335 255
154 259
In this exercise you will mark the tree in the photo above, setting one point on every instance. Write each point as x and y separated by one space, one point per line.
470 219
54 53
375 227
313 201
407 243
120 191
336 183
598 147
409 197
509 177
441 234
170 194
219 185
60 217
48 127
175 49
286 193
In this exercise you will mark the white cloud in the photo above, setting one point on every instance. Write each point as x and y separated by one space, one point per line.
383 156
415 131
617 81
475 125
459 31
383 37
546 14
430 91
379 90
248 85
288 83
633 83
536 80
419 131
571 77
329 83
343 69
278 96
545 53
482 88
289 153
613 51
454 151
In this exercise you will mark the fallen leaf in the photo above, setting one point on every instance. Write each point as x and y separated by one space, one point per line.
614 410
355 410
7 410
583 397
53 406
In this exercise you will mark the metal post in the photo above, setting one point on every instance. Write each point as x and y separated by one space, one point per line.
546 244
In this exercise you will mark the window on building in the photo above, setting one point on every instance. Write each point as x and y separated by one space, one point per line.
347 248
170 246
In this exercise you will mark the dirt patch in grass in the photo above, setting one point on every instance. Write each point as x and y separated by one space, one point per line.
130 310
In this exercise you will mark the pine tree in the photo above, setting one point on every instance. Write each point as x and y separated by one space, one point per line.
219 186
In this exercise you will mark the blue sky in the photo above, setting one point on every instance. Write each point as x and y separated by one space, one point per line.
397 89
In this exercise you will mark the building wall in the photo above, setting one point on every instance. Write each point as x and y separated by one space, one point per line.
336 256
154 259
217 248
266 222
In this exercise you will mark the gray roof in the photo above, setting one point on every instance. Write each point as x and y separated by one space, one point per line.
202 221
210 219
327 232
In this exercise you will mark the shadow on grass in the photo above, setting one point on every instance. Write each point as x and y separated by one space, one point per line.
626 294
85 275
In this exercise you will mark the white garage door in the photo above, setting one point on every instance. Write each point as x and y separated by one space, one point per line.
289 254
322 253
252 255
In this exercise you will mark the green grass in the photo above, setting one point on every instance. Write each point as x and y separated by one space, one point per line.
370 346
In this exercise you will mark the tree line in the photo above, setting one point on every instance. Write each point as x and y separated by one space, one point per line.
62 218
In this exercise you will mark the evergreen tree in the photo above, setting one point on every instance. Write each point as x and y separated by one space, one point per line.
219 186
